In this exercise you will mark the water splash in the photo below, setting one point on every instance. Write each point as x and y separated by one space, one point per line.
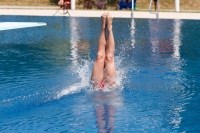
84 73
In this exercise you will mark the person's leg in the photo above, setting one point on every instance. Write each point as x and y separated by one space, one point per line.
97 72
110 50
155 5
158 6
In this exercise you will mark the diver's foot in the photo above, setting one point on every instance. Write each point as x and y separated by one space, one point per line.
109 19
103 18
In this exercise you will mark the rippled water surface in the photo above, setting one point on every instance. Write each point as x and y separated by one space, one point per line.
45 77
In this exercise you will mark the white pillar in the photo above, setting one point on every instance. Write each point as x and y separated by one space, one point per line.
73 4
177 5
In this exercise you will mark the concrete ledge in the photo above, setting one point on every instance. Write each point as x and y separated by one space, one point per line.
29 7
50 11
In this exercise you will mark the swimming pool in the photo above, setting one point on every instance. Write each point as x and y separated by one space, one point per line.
45 72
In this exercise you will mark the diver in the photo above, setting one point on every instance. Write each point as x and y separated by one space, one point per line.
104 70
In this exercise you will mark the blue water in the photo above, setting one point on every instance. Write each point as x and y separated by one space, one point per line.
45 73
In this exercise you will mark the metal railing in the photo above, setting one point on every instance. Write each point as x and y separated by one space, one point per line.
132 10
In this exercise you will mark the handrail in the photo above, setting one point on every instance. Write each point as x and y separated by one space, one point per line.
157 10
132 9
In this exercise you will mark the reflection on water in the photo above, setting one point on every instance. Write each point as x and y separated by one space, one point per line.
176 39
153 25
105 105
161 43
74 24
164 47
132 33
105 118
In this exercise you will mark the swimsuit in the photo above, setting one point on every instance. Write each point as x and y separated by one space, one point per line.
102 84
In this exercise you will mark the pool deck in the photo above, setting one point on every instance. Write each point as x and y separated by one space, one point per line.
51 10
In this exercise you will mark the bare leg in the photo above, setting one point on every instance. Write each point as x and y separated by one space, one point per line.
156 5
110 50
97 72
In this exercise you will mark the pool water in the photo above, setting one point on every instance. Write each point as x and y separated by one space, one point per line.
45 77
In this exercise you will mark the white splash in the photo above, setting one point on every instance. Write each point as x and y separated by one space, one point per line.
84 74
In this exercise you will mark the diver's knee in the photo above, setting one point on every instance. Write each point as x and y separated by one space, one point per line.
109 57
100 55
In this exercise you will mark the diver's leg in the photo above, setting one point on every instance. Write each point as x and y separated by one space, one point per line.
110 50
97 72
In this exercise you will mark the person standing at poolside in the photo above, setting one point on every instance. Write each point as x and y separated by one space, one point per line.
122 5
104 71
129 4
